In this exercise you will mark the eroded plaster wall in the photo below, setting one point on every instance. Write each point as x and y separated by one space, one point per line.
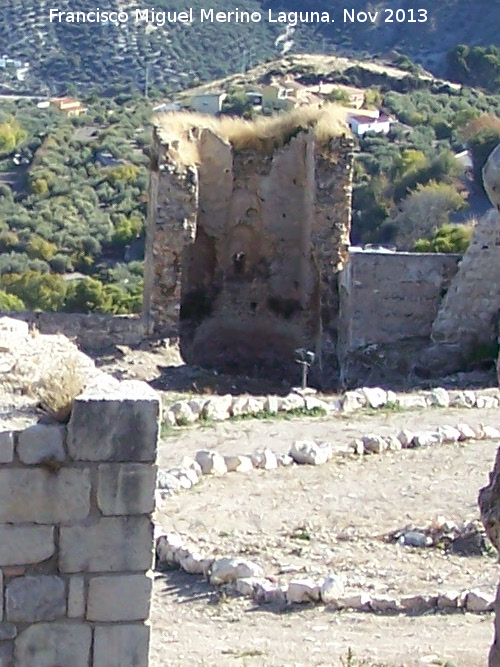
245 248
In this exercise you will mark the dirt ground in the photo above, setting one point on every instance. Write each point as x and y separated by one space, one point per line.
344 509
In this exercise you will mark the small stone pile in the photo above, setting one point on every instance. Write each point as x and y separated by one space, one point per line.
247 578
221 408
468 538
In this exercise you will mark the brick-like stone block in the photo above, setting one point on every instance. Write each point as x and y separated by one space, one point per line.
6 447
120 544
40 442
1 595
121 645
120 598
7 654
25 544
35 598
51 644
116 423
39 496
126 488
76 597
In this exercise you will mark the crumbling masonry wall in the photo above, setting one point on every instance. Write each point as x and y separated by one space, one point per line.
244 246
76 537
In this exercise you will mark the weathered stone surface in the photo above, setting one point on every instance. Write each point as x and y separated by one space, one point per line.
119 598
284 460
6 447
246 585
40 442
466 432
491 433
353 400
225 570
76 597
266 591
462 399
375 396
331 587
302 590
486 402
35 598
290 402
118 544
25 544
439 398
238 463
479 601
265 459
126 488
121 645
218 408
211 463
411 402
449 433
193 563
61 644
167 548
115 424
374 444
427 439
310 452
448 600
183 413
358 601
37 496
271 404
417 604
239 406
384 604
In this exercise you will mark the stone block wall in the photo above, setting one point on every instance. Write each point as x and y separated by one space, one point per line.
76 537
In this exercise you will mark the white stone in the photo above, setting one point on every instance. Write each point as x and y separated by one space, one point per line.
170 419
439 398
374 444
487 402
290 402
271 404
197 405
265 459
406 437
117 645
392 397
302 590
126 488
166 481
359 601
427 439
466 432
239 406
284 460
266 591
238 463
25 545
449 433
218 408
309 452
246 585
479 601
183 414
225 570
357 447
188 462
411 402
256 404
462 399
193 563
313 403
35 598
331 587
211 463
375 396
167 547
393 443
6 447
188 474
352 401
40 442
491 433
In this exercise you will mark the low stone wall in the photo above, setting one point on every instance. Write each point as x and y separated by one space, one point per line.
76 537
92 331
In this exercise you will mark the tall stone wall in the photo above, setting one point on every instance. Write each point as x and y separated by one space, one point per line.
388 303
244 246
76 537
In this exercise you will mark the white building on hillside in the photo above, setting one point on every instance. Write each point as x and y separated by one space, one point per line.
380 123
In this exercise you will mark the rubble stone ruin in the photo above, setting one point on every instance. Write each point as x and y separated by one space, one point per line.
248 228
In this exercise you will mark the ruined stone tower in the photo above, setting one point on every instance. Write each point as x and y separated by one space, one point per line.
248 227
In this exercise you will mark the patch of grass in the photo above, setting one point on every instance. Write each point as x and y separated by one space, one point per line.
301 533
58 389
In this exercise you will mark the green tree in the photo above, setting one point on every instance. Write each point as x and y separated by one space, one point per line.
448 238
39 291
9 303
88 296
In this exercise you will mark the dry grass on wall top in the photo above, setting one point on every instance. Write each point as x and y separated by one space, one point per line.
264 135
